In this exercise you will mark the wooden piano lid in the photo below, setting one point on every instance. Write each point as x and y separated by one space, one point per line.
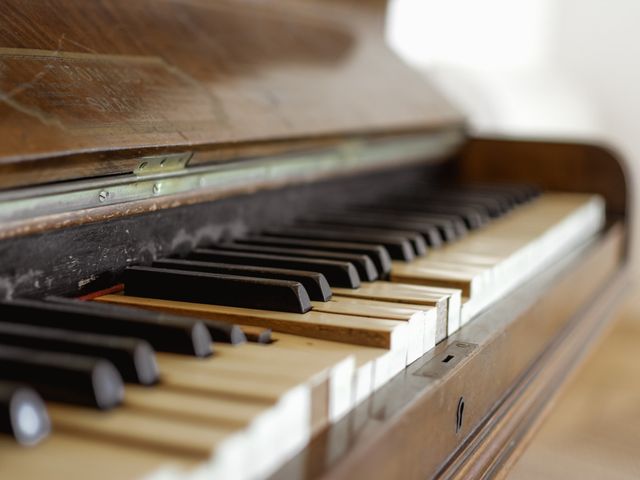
85 87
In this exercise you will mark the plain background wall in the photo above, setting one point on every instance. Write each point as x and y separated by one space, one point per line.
546 68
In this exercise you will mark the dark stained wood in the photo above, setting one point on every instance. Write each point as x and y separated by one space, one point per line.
86 88
94 84
83 251
411 427
552 165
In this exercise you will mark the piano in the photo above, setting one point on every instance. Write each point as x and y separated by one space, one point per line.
243 240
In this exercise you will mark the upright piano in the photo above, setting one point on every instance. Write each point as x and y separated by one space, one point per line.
242 239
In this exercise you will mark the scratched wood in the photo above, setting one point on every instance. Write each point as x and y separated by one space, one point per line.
87 86
370 332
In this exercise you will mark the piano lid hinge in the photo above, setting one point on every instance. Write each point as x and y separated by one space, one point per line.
156 164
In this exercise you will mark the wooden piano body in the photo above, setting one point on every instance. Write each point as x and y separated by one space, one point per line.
132 130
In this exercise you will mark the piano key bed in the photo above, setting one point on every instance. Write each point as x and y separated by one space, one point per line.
228 360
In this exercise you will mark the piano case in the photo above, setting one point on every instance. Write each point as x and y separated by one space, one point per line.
136 129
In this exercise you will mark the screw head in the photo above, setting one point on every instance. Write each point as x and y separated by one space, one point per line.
156 188
103 195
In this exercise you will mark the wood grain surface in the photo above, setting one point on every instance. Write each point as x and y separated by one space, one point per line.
551 165
95 84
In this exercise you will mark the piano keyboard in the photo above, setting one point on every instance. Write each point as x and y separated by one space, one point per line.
189 383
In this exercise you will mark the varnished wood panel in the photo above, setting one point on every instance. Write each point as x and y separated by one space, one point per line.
552 165
103 82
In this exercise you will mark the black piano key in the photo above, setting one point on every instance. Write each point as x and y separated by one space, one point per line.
507 199
164 332
365 267
377 253
432 200
528 192
219 331
472 218
492 202
216 289
503 202
224 332
521 193
416 240
257 334
517 194
134 358
486 204
23 414
532 191
63 377
338 274
428 230
452 227
399 248
314 283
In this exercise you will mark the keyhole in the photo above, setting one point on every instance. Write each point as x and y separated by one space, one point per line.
459 414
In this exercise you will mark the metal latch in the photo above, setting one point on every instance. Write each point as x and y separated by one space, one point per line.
446 361
154 165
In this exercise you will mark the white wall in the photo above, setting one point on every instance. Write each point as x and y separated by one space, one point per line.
553 68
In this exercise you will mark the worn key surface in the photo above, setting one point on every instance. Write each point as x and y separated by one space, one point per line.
342 328
421 320
447 302
487 263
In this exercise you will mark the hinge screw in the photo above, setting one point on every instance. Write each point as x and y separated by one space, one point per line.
103 195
